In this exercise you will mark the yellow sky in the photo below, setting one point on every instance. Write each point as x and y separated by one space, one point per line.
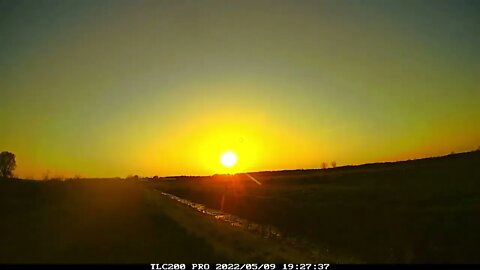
112 88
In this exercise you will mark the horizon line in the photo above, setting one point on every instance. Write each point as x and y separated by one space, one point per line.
256 172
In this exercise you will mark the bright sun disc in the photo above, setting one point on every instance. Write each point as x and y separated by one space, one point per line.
228 159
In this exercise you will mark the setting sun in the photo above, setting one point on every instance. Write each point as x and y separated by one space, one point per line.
228 159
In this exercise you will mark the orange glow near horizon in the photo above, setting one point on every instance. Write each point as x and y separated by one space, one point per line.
113 88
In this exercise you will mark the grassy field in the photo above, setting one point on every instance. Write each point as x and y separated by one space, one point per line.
406 212
116 221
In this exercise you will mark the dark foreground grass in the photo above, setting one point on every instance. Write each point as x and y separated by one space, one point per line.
89 222
423 211
116 221
408 212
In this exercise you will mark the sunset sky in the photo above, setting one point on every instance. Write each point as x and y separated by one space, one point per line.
112 88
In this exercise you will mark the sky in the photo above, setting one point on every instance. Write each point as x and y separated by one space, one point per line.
114 88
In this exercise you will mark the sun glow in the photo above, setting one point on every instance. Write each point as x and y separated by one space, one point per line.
228 159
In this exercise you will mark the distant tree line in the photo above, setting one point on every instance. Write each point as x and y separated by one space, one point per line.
333 164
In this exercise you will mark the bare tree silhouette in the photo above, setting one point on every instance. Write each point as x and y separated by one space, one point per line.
324 165
7 164
334 164
46 175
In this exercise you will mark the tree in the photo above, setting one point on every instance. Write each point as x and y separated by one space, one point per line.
133 177
7 164
334 164
324 165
